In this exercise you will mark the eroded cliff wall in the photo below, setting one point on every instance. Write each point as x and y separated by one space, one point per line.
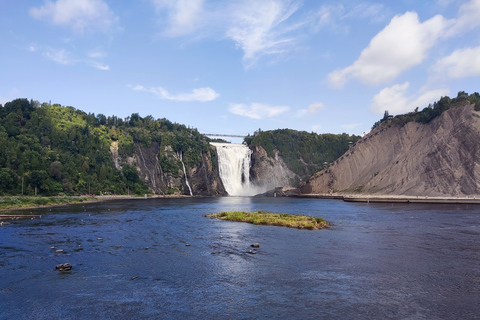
203 177
269 173
434 159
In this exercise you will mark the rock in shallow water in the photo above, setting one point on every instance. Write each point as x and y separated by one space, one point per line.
63 267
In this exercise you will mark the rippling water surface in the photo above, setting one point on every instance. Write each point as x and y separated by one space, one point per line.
162 259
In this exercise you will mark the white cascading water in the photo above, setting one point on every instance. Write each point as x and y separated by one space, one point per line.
234 166
179 154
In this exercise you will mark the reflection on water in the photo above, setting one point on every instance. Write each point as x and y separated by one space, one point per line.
161 258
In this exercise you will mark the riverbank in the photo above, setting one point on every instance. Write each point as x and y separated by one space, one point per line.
15 203
394 198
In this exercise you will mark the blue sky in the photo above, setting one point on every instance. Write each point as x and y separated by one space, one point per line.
237 66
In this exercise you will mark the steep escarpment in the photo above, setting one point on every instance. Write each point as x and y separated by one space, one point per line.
269 173
436 158
201 178
166 171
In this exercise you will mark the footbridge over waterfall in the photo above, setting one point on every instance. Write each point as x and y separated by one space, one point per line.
227 135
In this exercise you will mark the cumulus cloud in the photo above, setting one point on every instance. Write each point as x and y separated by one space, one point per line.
402 44
200 94
313 108
257 110
181 16
395 100
460 64
80 15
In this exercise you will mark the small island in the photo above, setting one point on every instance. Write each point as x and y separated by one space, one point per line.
273 219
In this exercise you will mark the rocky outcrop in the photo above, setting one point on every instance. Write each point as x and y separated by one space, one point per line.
441 158
203 177
270 173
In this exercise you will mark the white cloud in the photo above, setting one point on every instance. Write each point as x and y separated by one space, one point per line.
99 66
372 12
336 16
80 15
460 64
401 45
96 53
200 94
183 16
32 48
394 99
316 128
313 108
257 110
468 18
259 28
66 58
327 15
60 56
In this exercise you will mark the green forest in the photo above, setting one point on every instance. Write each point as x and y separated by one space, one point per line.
304 153
431 111
56 150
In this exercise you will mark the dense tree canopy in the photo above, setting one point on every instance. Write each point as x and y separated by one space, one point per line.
303 152
62 150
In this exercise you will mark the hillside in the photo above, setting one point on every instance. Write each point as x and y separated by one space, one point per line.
51 149
435 152
286 157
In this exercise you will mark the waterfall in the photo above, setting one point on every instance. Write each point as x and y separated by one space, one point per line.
234 167
179 153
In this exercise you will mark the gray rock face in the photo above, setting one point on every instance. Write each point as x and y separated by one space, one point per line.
269 172
436 159
203 178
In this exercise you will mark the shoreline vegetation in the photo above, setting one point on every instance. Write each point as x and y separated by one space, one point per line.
10 203
273 219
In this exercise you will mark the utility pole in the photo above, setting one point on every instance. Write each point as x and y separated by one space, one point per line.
22 185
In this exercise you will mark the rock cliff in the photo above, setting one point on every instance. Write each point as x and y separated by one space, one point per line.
203 177
269 173
440 158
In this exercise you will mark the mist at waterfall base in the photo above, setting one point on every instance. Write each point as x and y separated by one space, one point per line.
234 161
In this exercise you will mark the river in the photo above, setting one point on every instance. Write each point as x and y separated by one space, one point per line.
162 259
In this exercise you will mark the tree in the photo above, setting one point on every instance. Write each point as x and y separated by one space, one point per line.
385 115
7 180
37 177
55 170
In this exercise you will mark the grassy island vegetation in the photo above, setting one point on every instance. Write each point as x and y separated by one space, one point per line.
273 219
